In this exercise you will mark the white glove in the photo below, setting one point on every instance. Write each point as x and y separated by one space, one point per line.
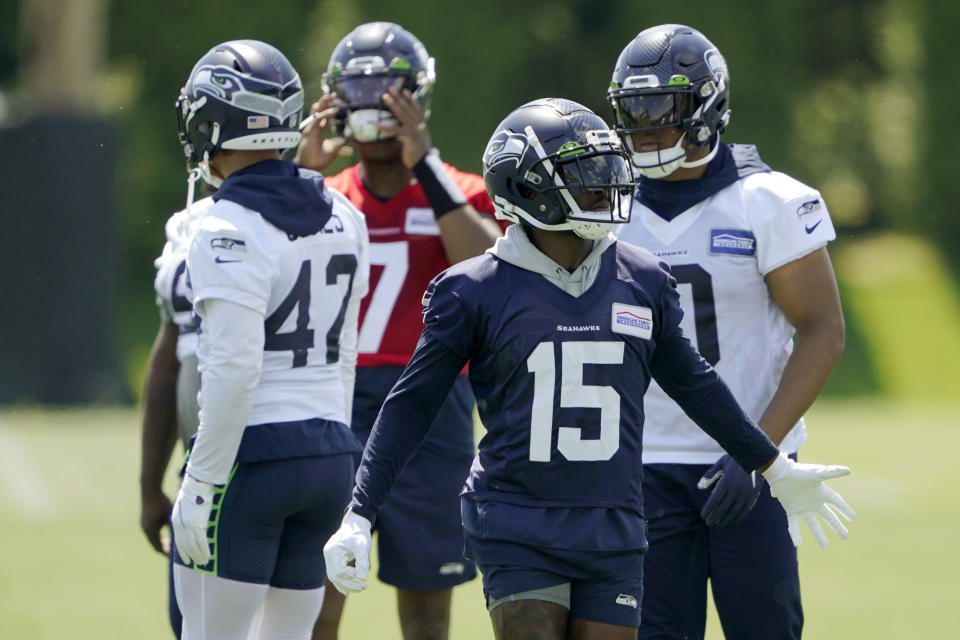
803 494
190 519
351 542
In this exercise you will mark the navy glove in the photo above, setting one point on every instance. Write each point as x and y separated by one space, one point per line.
734 495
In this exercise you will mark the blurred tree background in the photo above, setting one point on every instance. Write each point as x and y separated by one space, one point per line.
856 97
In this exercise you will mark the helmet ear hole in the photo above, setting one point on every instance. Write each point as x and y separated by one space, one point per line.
526 192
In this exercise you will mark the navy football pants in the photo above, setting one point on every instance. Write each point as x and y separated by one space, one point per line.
420 539
752 566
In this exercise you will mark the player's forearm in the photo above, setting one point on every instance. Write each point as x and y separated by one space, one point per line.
404 422
466 233
816 353
158 428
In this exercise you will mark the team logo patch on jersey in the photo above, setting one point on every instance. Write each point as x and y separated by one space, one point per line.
627 600
230 244
421 221
808 207
738 242
631 320
427 297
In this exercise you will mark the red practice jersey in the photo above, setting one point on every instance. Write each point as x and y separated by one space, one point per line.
405 254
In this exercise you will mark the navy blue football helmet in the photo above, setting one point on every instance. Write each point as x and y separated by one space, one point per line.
369 60
669 76
556 165
243 94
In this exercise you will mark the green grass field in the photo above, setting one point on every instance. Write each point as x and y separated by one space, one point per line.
73 563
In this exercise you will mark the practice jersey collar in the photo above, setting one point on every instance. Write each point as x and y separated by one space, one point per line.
516 248
668 199
289 197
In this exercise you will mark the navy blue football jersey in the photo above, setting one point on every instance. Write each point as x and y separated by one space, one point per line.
559 382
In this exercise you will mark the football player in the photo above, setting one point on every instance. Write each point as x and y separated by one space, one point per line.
563 328
276 270
747 246
423 215
172 381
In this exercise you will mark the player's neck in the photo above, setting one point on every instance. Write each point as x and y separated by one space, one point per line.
565 248
227 162
384 179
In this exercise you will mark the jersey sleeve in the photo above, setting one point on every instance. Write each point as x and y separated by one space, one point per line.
227 263
447 318
403 422
163 282
789 219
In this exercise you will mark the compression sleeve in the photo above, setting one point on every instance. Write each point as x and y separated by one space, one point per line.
230 353
404 421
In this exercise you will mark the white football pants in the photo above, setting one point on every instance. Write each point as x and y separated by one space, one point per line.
215 608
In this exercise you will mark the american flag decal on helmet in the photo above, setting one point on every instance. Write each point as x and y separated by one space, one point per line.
258 122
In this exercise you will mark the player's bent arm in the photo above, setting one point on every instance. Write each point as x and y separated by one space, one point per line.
800 488
230 353
464 232
806 291
401 426
316 151
158 434
404 421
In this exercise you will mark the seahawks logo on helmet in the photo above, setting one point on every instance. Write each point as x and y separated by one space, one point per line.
220 82
250 94
504 147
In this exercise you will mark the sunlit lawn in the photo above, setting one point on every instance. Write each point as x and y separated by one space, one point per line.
73 563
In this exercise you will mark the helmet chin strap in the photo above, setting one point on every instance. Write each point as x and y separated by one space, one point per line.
207 174
590 230
192 176
704 160
201 171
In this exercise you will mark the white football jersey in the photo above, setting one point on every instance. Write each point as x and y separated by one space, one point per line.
308 290
170 282
720 250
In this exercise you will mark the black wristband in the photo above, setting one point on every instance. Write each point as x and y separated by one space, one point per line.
442 193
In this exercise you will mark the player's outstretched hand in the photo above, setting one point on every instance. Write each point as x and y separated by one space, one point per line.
190 519
801 490
155 508
411 129
316 151
347 554
734 495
